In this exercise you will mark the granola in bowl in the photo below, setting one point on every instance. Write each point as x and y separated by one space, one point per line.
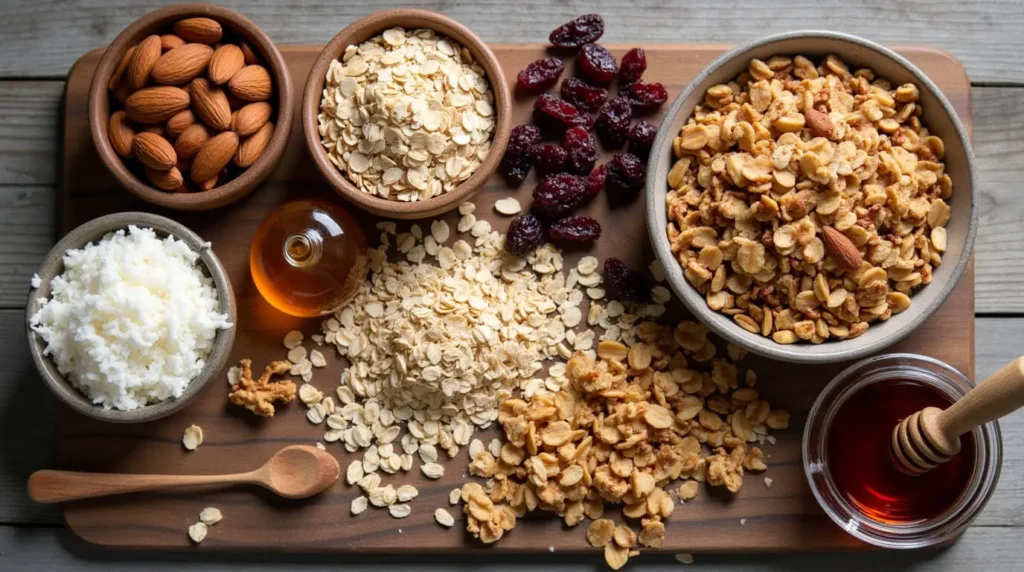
807 200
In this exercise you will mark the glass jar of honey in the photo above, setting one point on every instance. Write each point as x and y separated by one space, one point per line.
851 471
308 258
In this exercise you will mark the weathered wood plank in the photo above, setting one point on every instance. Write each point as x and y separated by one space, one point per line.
999 251
43 37
55 550
29 122
27 221
28 411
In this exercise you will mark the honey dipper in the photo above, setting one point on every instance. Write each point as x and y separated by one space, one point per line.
930 437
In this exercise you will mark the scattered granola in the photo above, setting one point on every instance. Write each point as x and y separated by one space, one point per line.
808 201
407 115
622 428
259 395
192 438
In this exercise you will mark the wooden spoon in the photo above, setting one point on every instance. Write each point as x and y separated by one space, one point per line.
295 472
931 436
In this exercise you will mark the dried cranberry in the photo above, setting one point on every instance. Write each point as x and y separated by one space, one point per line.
584 96
595 180
555 115
551 159
597 64
644 96
559 195
520 153
539 75
525 234
584 120
575 227
641 138
581 150
633 65
613 122
582 30
625 283
626 175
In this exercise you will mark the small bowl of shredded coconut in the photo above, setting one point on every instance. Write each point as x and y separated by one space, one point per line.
129 317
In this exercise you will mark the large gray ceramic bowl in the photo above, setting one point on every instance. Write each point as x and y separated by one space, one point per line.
53 266
939 117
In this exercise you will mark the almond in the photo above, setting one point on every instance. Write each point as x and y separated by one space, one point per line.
154 151
202 30
214 156
145 57
182 64
208 184
250 56
168 180
121 134
251 83
191 141
155 130
841 249
211 105
226 62
169 41
819 123
181 120
122 66
250 118
156 104
252 147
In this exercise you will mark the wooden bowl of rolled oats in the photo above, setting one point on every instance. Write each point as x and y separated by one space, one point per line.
406 113
812 197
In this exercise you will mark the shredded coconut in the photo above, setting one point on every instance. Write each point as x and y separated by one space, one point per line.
131 320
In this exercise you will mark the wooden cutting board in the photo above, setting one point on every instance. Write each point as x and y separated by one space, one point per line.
784 517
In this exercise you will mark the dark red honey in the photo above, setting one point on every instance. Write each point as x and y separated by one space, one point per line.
863 470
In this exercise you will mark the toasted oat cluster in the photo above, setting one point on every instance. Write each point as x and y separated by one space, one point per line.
808 201
624 427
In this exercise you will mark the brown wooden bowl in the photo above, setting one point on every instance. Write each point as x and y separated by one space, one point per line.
162 20
364 29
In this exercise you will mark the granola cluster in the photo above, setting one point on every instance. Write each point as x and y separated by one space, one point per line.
808 201
624 426
258 395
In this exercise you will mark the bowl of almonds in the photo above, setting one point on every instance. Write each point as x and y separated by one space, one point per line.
191 106
406 113
812 197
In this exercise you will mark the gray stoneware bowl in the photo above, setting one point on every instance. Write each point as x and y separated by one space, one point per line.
53 266
939 117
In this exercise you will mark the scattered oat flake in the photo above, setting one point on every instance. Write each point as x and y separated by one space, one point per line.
399 510
432 470
685 558
657 270
359 505
508 206
192 438
444 518
293 339
317 358
210 516
768 482
197 532
466 208
297 355
743 522
455 496
234 374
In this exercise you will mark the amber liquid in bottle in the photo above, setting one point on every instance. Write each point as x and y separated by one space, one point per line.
862 466
308 258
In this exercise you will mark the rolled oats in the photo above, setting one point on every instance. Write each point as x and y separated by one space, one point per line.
407 115
192 438
197 532
808 202
444 518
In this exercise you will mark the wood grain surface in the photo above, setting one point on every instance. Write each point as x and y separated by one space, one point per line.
784 517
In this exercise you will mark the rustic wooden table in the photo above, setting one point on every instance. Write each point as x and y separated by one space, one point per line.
40 39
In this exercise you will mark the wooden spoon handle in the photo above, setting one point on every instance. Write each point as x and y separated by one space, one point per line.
59 486
993 398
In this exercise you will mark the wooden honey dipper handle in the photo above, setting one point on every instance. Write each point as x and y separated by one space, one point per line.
1000 394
